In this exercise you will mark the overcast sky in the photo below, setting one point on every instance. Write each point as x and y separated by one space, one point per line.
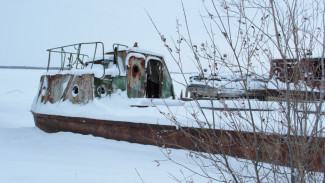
28 28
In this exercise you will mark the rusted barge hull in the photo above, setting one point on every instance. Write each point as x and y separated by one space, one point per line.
271 148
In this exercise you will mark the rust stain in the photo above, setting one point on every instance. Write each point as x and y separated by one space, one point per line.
74 100
297 70
85 89
136 69
41 89
55 90
41 86
54 84
67 89
136 72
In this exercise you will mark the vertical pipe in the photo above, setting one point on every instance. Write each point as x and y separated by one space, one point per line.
103 59
65 55
78 53
61 59
95 56
48 63
116 60
70 61
83 57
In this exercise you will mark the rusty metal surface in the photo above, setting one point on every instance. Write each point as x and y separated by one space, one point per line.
41 87
67 89
136 78
85 85
279 95
306 70
271 148
137 90
60 88
54 87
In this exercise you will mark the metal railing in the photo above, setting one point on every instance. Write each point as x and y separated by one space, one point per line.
79 57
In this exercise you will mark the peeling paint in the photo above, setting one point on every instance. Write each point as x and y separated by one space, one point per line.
60 88
136 78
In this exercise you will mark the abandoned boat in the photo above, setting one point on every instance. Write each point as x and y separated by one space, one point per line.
127 94
304 78
227 85
89 94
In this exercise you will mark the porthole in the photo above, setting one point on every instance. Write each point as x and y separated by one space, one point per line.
102 90
75 91
135 69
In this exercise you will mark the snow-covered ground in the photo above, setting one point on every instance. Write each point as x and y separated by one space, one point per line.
28 154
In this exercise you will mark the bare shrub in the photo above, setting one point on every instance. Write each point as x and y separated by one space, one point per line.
242 139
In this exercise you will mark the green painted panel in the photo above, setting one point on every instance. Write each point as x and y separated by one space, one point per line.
168 89
109 85
119 83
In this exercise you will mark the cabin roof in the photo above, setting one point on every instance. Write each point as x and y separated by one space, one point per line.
137 50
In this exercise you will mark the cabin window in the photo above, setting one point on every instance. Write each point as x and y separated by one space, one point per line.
153 79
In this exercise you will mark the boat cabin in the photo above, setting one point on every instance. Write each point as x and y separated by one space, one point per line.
82 77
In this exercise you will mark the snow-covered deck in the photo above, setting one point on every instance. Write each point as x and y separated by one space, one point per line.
226 114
